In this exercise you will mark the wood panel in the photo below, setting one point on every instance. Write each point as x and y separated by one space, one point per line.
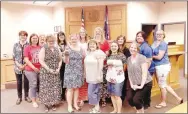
7 71
94 17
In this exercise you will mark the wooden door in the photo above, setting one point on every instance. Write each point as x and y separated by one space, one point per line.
94 17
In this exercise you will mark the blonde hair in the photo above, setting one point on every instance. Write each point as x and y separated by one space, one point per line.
42 36
102 33
137 46
92 41
50 36
83 30
162 33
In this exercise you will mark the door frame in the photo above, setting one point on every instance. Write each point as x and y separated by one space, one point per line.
151 24
184 23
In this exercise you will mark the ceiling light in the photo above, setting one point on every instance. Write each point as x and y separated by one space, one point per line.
42 2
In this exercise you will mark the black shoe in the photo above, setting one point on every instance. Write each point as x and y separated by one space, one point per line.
28 99
146 107
19 100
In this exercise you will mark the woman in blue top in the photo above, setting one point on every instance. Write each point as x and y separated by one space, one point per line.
161 60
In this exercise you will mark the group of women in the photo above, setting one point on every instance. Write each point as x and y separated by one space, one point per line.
92 70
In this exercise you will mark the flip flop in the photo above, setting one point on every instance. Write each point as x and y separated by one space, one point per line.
160 106
181 101
93 110
78 109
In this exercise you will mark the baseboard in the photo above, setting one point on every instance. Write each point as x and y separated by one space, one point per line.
9 85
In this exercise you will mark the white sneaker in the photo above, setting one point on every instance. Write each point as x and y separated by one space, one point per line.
35 105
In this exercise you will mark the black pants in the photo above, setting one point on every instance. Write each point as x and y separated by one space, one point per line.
136 98
62 70
147 98
19 85
126 86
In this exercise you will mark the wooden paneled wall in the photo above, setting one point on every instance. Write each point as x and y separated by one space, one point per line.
94 17
7 71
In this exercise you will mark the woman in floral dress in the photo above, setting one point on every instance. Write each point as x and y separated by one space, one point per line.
50 84
74 72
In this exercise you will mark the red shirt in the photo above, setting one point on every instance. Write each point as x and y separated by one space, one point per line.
105 46
32 52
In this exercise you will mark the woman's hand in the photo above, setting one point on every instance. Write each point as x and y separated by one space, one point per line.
57 71
21 67
66 51
112 80
135 87
36 70
51 71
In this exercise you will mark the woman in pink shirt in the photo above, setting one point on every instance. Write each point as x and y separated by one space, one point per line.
32 68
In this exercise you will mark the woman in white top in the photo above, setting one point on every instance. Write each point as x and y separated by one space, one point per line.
94 76
116 62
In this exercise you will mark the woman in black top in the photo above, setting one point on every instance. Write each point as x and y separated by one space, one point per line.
61 41
121 42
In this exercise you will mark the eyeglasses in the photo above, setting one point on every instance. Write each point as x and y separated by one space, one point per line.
159 34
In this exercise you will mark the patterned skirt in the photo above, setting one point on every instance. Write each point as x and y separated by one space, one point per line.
103 86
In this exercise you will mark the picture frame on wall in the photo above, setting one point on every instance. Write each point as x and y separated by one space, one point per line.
57 28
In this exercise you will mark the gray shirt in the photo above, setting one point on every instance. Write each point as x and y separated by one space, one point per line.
135 70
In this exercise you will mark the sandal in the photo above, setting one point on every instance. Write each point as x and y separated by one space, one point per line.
181 101
78 109
53 108
46 109
70 110
160 106
103 103
93 110
81 103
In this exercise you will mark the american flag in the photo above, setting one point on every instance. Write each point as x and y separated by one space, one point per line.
106 26
82 19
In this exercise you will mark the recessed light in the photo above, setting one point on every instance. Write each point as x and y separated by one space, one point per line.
42 2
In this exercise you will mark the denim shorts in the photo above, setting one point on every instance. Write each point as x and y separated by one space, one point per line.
93 93
115 88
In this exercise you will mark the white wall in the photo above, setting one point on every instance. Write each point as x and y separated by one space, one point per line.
16 17
59 16
175 12
174 33
139 13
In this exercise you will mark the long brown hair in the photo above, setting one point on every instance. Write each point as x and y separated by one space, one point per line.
31 36
124 43
118 51
61 34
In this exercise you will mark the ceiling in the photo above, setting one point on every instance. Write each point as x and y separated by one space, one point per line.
69 4
51 4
